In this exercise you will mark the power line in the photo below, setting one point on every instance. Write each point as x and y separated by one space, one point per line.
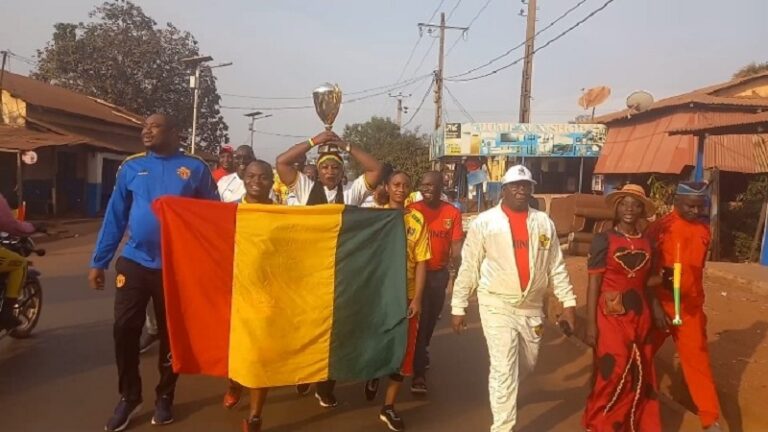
549 42
418 41
421 104
450 14
279 134
353 100
392 86
477 15
522 44
459 105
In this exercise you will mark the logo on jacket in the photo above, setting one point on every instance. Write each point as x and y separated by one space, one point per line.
447 223
184 173
544 241
120 280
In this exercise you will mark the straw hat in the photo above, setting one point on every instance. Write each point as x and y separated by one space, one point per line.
634 191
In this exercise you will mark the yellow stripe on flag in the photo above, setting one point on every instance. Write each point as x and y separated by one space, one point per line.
281 320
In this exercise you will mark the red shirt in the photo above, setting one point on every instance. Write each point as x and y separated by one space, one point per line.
518 224
672 233
218 173
444 223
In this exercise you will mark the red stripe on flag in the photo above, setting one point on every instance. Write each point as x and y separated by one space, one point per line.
199 260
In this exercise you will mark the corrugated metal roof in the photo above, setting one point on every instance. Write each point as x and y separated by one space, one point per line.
53 97
21 138
745 153
702 96
645 146
722 125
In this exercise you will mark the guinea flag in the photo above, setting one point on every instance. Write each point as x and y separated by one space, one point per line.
271 295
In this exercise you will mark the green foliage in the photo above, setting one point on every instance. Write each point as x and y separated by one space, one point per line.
123 57
753 68
662 193
405 150
740 220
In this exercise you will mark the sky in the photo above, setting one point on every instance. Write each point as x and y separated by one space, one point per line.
286 48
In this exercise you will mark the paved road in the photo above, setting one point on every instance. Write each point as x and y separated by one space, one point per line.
63 379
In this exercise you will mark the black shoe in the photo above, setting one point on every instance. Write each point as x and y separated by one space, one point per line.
8 321
302 389
163 411
371 388
252 424
123 412
146 342
326 401
419 386
389 416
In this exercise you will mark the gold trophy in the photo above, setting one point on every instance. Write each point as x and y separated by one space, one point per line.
327 98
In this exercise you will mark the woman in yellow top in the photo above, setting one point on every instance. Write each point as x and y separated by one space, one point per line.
418 253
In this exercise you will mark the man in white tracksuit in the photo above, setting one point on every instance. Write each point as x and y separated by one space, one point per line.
511 256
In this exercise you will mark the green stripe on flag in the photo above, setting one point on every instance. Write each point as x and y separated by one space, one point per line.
370 327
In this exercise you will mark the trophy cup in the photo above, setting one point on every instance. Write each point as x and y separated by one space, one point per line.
327 100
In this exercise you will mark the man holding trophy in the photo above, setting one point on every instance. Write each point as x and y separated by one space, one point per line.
330 165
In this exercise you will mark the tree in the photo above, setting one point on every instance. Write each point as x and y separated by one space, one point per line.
121 56
753 68
405 150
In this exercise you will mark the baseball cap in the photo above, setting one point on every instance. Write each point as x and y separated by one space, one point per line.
517 173
226 149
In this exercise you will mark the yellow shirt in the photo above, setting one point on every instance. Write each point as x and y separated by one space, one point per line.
418 246
280 189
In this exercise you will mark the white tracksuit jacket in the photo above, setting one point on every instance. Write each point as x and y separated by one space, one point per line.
511 317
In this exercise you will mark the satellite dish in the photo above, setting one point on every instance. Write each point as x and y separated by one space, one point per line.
594 97
29 157
639 101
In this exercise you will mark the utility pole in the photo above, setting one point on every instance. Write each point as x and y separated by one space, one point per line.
525 87
400 108
2 75
440 64
194 83
256 115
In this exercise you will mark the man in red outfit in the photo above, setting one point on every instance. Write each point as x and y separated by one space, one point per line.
683 236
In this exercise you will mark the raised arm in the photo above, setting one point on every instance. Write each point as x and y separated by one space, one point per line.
284 165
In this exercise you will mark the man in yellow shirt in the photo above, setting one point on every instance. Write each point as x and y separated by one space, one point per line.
418 253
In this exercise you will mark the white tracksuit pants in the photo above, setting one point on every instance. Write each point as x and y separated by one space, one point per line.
509 337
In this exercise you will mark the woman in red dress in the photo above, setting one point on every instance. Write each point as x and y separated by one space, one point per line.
619 320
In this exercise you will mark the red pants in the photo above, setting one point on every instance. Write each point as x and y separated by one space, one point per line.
406 369
691 341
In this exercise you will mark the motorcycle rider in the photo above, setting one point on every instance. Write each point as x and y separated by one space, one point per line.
13 264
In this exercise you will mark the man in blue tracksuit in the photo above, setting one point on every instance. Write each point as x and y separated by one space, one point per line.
162 170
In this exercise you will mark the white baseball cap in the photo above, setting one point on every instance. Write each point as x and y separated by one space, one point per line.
518 173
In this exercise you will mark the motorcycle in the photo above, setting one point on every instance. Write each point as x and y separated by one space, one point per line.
30 301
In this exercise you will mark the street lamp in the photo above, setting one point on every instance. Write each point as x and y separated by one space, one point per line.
256 115
194 83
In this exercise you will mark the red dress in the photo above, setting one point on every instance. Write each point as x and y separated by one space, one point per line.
623 397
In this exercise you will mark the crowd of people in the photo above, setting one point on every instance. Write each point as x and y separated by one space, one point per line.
510 258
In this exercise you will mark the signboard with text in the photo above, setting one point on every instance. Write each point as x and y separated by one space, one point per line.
520 139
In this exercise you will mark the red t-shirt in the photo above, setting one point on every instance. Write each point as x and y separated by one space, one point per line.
518 224
444 223
218 173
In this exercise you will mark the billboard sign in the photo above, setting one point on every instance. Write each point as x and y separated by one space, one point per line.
520 139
